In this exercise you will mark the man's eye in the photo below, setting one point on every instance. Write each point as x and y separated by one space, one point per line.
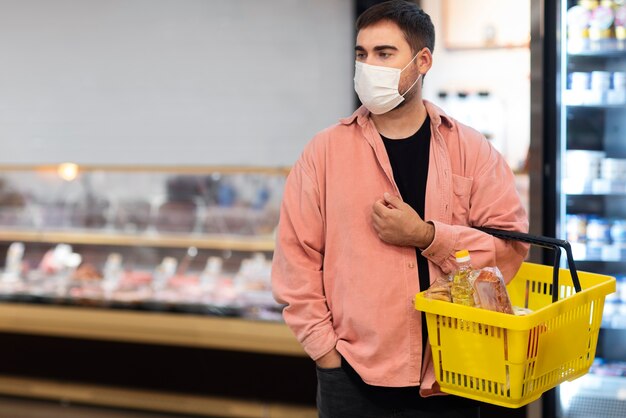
384 55
360 55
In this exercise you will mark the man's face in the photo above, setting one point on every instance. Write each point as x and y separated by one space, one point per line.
383 44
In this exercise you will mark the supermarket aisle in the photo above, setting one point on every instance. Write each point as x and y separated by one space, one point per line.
26 408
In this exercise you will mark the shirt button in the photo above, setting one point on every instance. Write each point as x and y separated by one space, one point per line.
411 265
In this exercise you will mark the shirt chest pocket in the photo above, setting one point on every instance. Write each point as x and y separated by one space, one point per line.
462 188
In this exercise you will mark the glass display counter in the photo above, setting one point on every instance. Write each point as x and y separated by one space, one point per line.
176 257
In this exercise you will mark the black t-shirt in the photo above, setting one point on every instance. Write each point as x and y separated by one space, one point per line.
409 159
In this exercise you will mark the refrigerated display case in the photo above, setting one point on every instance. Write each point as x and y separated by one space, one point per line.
578 180
124 284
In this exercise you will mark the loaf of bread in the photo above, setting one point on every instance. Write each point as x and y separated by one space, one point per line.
491 291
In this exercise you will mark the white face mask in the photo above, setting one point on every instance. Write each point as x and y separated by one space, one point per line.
377 87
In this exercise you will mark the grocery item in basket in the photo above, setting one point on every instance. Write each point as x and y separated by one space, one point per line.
461 289
491 290
519 311
440 289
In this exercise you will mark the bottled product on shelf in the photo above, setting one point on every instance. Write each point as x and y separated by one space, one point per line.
596 88
592 172
602 23
614 315
596 20
596 27
596 238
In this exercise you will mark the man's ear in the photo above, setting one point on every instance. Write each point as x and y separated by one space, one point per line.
424 61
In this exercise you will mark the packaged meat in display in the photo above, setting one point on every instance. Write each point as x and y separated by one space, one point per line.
210 279
169 283
253 281
491 290
11 279
14 263
211 273
132 216
230 220
52 259
134 288
111 274
86 283
176 217
13 207
56 270
87 272
53 215
90 212
163 273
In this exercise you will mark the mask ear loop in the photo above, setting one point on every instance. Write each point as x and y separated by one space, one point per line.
412 85
418 77
409 63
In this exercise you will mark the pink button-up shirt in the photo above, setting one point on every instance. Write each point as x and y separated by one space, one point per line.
343 287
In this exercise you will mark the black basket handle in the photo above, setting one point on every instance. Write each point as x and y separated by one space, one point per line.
545 242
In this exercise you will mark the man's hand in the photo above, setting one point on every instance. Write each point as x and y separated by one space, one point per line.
330 360
397 223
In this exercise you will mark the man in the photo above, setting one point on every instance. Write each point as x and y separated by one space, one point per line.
373 211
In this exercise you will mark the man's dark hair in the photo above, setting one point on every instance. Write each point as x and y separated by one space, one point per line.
416 25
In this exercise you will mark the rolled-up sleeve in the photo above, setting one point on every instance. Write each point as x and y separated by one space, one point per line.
297 267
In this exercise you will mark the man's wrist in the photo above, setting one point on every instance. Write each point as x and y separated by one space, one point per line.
425 236
329 360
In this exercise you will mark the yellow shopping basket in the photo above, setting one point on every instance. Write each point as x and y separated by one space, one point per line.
511 360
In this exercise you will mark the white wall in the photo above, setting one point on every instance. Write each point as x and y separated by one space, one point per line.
503 72
175 82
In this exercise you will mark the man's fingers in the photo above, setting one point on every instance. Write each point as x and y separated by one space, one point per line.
380 207
394 201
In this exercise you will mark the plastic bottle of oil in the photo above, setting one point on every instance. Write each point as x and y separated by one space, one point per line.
462 290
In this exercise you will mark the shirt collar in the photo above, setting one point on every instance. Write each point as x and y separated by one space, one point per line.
437 116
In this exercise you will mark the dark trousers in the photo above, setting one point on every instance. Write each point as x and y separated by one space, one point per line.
341 393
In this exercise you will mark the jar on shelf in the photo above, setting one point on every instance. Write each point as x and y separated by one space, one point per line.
618 236
602 21
583 165
620 22
576 228
578 18
598 230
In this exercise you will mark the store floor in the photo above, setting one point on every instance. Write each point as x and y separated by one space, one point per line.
26 408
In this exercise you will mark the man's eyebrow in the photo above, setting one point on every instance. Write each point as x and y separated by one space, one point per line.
382 47
376 48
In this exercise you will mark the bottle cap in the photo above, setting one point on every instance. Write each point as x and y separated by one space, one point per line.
462 255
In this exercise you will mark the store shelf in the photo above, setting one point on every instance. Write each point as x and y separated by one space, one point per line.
587 195
599 261
599 253
609 48
596 106
215 242
150 328
176 403
138 168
